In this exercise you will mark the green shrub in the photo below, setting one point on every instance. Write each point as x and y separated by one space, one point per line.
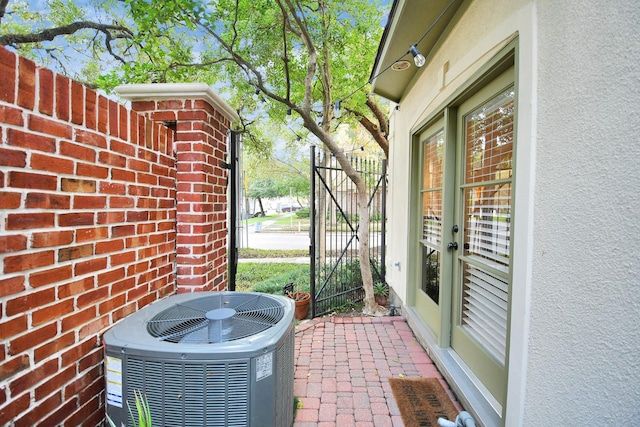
380 288
348 276
143 411
271 277
298 276
303 213
268 287
254 272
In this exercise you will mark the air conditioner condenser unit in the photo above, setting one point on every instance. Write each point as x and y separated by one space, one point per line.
204 359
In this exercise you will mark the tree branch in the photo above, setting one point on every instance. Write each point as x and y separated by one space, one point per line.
111 33
51 33
379 114
246 66
175 65
313 54
374 130
325 71
3 8
285 55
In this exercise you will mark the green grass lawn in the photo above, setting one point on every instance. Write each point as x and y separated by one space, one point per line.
272 253
291 223
271 277
261 218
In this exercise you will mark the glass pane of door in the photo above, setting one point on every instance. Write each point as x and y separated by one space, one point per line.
483 263
427 291
487 231
430 283
433 156
487 218
487 213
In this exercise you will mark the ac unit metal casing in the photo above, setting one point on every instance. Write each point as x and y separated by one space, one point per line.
205 359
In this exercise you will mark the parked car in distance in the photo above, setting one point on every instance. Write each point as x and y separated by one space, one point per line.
287 207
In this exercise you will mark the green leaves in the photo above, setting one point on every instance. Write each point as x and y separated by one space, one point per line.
264 188
283 185
143 411
303 54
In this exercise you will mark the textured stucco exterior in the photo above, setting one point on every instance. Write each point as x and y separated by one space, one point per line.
574 331
584 348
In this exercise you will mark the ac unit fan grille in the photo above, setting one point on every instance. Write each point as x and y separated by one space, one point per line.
216 318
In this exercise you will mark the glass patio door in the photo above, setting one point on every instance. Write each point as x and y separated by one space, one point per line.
483 208
429 257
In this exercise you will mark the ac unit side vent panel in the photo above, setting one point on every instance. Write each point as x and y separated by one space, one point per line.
193 394
286 355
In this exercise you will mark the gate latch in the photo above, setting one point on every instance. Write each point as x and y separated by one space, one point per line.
452 246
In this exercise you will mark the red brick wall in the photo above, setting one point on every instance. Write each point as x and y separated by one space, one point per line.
200 147
90 231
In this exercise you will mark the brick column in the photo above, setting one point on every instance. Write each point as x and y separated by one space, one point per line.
201 121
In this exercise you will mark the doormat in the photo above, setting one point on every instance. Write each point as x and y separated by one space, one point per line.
422 401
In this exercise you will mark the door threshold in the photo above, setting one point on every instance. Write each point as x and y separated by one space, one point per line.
473 396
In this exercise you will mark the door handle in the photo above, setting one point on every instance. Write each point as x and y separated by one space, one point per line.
452 246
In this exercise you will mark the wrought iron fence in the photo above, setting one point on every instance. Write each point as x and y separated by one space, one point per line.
335 266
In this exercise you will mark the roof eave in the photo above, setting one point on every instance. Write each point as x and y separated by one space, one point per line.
410 22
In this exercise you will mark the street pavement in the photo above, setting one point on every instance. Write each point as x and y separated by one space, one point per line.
278 240
268 236
266 239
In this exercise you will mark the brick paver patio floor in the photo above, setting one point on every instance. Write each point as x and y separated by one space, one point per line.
343 365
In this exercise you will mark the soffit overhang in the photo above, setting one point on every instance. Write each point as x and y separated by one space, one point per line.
408 21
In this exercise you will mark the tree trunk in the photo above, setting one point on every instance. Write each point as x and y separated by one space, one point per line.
370 305
371 308
261 207
321 216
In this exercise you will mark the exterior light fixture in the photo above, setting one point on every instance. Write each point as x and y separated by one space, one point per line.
256 95
401 65
289 115
418 58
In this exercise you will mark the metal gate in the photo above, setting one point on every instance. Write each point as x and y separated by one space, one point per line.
335 266
234 191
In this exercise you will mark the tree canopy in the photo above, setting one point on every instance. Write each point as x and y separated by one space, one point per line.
309 58
237 46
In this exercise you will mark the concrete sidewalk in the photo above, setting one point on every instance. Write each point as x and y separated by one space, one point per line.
343 366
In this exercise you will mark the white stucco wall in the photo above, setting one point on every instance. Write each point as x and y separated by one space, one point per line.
575 329
584 349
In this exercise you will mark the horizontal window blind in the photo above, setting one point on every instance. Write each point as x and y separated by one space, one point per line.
432 216
433 152
487 222
485 310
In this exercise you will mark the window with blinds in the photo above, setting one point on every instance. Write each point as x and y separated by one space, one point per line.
432 163
487 222
433 151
